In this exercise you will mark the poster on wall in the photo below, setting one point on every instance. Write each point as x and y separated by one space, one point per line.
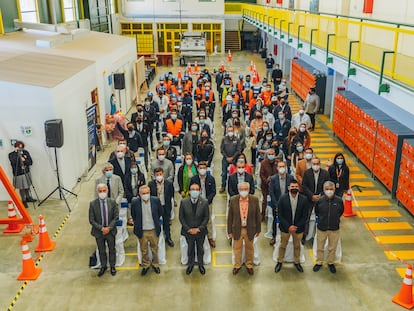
91 125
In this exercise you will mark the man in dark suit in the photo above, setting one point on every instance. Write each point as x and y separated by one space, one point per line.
277 187
243 224
164 190
122 164
103 216
142 127
146 212
312 185
293 212
113 182
207 191
240 176
194 217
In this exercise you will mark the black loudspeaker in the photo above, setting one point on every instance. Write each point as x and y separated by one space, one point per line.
54 133
119 81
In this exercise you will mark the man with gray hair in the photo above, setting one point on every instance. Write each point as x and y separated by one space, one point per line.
243 224
112 181
329 209
103 216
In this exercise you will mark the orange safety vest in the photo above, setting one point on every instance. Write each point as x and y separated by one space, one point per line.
266 96
251 104
245 99
210 97
240 86
173 128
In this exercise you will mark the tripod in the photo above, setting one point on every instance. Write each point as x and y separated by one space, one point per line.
59 187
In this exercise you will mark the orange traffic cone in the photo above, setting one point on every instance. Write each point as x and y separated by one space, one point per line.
348 212
45 244
179 75
404 297
189 68
11 214
229 58
251 66
222 66
195 66
29 271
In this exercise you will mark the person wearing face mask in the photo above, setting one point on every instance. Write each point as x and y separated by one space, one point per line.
133 181
266 95
264 143
268 168
164 190
240 176
268 116
339 174
243 225
297 155
170 151
191 139
175 127
194 216
257 106
283 106
185 172
151 117
277 187
269 62
207 191
162 161
289 145
303 165
132 137
277 75
329 209
312 103
112 181
103 216
205 148
282 127
304 136
301 117
240 132
256 125
121 164
312 186
142 129
146 212
293 212
128 152
230 147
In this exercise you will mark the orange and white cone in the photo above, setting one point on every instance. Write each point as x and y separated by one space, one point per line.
229 58
404 297
29 270
45 244
179 74
11 214
222 66
195 66
348 212
251 66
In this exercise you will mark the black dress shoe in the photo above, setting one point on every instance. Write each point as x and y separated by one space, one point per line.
250 271
189 269
298 267
202 270
156 269
278 267
316 268
101 271
236 270
332 268
170 243
144 271
31 200
113 271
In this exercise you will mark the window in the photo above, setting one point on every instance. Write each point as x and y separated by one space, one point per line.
68 10
28 10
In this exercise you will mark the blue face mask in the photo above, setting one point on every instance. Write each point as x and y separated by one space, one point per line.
271 157
134 170
194 194
108 174
194 128
339 161
166 143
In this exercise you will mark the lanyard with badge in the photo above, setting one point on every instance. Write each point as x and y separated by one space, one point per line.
338 175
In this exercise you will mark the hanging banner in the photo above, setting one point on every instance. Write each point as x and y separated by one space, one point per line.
91 125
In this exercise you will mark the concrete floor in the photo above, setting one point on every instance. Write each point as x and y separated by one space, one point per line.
366 279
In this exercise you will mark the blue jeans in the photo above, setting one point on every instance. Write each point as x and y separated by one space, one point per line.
224 166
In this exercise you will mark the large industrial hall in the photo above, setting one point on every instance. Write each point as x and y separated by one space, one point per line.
206 155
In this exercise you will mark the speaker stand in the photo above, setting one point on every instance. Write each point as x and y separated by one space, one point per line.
59 187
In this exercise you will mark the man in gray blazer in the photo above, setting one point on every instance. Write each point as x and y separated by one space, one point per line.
194 216
103 216
243 224
112 181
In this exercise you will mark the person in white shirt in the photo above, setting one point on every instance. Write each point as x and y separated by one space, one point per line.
301 117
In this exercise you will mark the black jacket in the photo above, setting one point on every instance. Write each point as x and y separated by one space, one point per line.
128 184
14 158
233 183
210 186
329 212
285 213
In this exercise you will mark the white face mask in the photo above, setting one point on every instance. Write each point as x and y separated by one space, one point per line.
120 155
240 170
302 129
301 112
188 162
329 193
102 195
316 168
230 134
282 170
202 171
145 197
159 178
308 156
161 157
244 194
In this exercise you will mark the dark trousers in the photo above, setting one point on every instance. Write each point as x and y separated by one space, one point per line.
193 241
254 155
274 225
166 221
146 157
312 117
110 240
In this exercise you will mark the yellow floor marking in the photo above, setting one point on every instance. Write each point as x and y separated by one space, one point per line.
324 144
396 239
375 214
319 150
368 193
321 139
311 256
221 225
358 176
394 255
129 268
401 272
131 254
367 184
354 169
389 226
214 259
220 215
373 203
326 121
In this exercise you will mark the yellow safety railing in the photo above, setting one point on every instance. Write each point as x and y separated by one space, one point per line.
1 24
374 37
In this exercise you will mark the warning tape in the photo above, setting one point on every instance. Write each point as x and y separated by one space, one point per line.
37 262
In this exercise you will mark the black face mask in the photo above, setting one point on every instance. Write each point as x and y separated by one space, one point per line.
294 191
